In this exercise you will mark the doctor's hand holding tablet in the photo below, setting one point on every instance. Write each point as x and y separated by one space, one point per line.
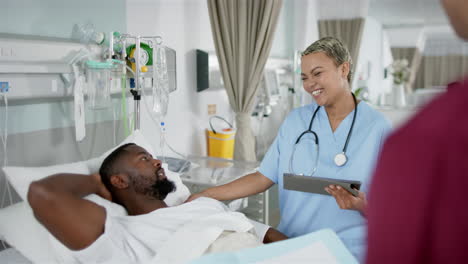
323 155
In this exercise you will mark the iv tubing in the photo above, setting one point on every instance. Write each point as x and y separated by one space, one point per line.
111 44
156 123
123 82
5 160
137 85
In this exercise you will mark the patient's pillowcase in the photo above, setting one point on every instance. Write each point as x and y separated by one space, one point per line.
20 229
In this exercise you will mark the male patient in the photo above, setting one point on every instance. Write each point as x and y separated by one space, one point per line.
131 177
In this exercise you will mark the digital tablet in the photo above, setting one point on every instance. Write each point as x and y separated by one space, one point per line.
317 185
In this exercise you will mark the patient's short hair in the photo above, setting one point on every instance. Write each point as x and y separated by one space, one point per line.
111 165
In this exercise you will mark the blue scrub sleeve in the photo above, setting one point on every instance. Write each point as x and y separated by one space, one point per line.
269 166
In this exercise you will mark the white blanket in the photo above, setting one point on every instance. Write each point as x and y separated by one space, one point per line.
192 240
169 235
320 247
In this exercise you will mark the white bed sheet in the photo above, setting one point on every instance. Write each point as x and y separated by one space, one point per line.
12 256
320 247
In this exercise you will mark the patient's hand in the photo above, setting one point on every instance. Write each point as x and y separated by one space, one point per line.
346 200
273 235
103 192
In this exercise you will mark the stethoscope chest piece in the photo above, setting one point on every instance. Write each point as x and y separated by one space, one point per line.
340 159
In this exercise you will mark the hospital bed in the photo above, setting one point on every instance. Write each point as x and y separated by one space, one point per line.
11 255
320 247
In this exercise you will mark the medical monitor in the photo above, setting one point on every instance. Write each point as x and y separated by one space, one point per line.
272 82
208 72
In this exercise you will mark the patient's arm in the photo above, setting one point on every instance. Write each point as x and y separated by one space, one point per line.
58 204
273 235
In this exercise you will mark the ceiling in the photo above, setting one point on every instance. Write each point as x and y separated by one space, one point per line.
408 13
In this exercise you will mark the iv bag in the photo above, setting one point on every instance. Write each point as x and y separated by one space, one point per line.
160 82
87 34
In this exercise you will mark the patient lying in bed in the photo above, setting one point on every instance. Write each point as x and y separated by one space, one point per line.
151 231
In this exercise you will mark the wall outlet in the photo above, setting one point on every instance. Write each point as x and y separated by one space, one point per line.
6 52
54 86
212 109
4 87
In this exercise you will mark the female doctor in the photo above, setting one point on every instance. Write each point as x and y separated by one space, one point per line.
336 137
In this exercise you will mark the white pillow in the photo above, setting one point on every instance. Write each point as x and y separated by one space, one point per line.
19 227
21 177
181 193
22 231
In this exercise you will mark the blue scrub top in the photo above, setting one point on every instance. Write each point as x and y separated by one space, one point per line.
301 212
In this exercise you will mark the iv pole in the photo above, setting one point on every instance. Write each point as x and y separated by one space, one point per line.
136 92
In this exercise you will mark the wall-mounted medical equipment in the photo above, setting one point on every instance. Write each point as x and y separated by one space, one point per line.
99 83
150 69
208 71
87 34
268 93
39 67
145 59
45 67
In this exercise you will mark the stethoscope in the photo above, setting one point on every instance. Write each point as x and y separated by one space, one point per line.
340 158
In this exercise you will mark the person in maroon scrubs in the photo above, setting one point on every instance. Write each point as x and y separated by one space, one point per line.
418 202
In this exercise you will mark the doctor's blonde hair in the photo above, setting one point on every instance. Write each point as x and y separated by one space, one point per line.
334 49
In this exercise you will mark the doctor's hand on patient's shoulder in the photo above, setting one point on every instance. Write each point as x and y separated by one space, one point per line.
102 190
346 200
195 196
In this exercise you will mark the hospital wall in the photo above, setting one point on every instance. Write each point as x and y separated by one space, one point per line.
55 18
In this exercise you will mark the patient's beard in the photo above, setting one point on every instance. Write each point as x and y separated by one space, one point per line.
158 189
161 188
152 186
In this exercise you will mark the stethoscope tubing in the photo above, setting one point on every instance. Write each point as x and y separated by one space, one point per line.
317 139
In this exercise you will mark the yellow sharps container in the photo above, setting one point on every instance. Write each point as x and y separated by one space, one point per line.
221 141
